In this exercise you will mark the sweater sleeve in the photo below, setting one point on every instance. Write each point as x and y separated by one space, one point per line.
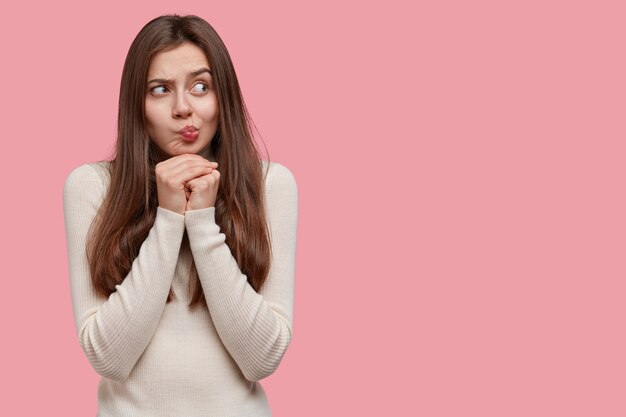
256 328
114 332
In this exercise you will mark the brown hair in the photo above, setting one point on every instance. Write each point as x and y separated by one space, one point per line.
129 208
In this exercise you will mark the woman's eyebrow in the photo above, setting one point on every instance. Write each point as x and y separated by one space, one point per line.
191 74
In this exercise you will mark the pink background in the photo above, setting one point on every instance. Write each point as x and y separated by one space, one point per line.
461 184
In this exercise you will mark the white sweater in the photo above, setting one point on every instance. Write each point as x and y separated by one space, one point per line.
162 359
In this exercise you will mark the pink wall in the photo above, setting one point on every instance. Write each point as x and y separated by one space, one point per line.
461 181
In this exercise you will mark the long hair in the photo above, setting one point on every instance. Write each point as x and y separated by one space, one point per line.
128 210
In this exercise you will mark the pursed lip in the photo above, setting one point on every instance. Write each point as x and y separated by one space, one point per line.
188 129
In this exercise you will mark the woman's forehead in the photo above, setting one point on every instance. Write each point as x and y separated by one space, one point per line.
183 60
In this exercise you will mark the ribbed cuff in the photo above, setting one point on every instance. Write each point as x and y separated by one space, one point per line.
200 217
169 221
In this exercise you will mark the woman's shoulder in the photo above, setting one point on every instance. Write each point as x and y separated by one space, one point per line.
89 177
278 177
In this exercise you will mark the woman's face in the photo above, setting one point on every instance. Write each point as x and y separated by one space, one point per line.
180 93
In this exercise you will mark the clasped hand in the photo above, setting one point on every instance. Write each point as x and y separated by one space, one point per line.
187 182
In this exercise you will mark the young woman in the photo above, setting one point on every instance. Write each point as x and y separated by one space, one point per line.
182 246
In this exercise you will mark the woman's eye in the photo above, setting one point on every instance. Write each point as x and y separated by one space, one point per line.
205 85
158 86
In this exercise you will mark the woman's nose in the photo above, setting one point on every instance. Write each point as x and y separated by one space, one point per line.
181 107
